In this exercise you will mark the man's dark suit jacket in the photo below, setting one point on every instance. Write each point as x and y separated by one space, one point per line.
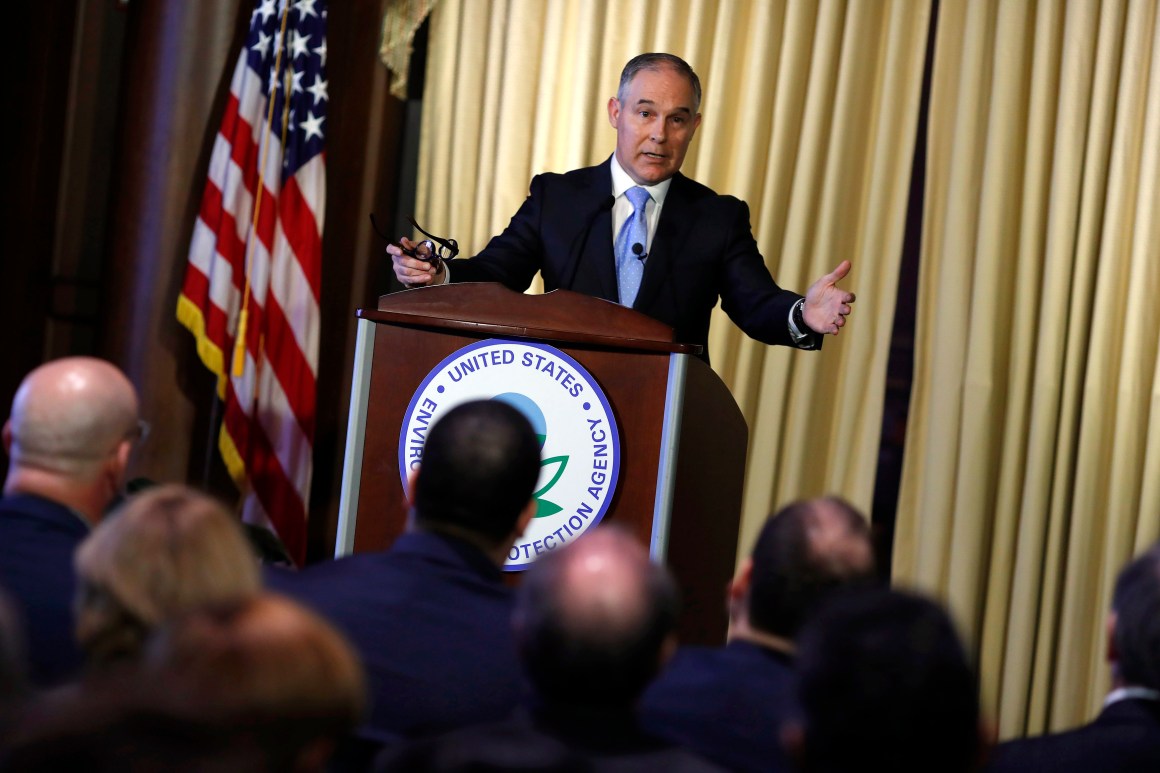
1124 737
431 619
703 249
37 541
725 703
594 740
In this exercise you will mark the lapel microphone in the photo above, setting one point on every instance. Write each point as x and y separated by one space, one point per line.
638 251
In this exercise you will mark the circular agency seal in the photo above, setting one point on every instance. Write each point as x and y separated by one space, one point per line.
579 442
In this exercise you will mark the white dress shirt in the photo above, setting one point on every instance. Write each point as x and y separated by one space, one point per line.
622 207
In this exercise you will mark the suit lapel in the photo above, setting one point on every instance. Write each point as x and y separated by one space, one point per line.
673 224
597 262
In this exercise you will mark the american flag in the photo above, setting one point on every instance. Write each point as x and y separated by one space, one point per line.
255 263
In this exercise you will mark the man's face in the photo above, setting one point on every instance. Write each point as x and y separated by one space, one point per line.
654 124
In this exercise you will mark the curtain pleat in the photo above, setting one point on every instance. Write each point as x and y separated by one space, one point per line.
1026 480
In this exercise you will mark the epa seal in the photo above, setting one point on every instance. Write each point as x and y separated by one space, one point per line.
579 442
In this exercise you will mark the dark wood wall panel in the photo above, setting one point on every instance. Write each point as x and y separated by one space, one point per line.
37 64
175 83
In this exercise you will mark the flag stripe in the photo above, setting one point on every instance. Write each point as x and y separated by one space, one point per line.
291 368
301 233
257 248
258 464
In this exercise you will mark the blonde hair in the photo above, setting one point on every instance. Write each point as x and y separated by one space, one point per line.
166 551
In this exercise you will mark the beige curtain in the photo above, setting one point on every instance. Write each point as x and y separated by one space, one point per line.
1032 468
809 115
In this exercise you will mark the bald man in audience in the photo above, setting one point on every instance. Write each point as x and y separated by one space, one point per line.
68 438
727 702
594 622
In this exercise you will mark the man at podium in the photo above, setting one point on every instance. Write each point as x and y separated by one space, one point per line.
635 231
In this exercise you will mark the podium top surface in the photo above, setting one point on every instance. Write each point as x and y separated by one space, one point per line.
490 309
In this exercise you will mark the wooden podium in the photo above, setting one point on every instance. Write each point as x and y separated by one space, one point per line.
682 437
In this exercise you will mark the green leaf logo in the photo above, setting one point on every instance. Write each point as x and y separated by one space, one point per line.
543 506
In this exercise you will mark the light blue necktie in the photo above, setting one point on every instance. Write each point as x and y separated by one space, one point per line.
629 267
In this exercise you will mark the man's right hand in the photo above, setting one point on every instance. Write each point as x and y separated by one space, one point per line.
412 272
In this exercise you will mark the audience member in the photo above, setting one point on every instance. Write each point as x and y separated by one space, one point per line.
594 623
265 544
727 703
166 551
267 668
68 439
123 727
429 616
257 685
884 684
14 687
1126 734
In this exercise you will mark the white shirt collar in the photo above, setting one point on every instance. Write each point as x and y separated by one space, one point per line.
1129 693
621 182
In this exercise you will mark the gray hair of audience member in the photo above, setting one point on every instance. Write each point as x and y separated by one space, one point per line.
884 684
165 551
1136 621
658 61
69 415
267 665
479 468
805 552
594 620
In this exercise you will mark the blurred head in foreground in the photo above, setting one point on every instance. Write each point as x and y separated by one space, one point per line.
884 684
255 685
595 621
269 667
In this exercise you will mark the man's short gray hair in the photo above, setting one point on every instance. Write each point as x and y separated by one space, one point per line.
654 62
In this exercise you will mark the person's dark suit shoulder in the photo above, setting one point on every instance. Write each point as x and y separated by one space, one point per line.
429 617
1124 737
36 568
724 703
598 741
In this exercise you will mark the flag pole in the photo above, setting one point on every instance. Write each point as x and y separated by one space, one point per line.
215 411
